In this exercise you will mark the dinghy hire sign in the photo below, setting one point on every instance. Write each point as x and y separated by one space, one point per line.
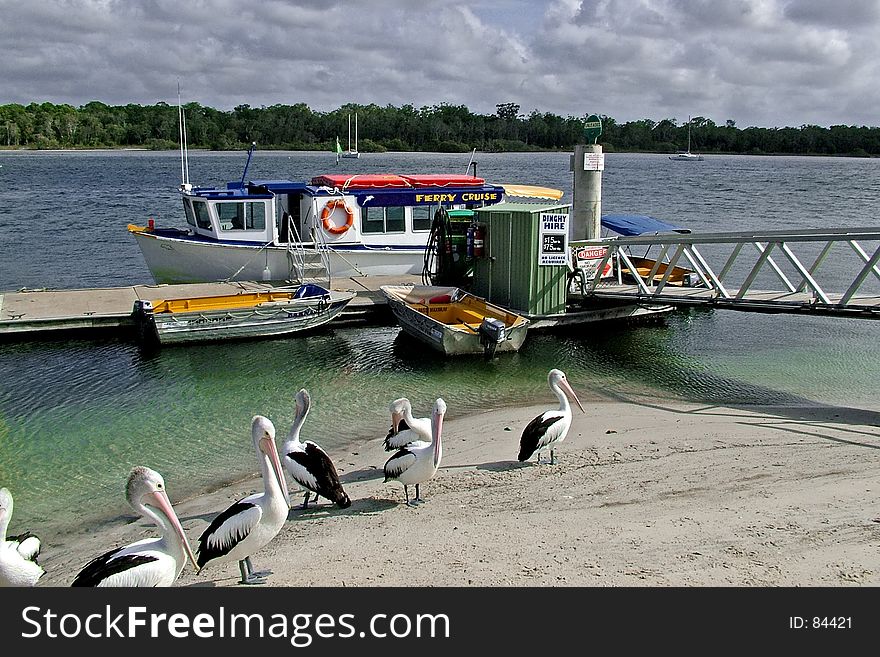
553 237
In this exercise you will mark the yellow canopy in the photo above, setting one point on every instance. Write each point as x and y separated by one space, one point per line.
531 191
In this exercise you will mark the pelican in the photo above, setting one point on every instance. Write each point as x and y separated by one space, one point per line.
308 464
405 428
152 561
249 524
418 461
550 427
18 554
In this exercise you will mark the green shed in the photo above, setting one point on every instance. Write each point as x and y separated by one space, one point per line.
525 262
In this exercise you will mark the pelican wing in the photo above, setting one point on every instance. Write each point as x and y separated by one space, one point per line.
540 432
399 463
389 437
118 568
400 439
27 545
420 430
227 530
311 468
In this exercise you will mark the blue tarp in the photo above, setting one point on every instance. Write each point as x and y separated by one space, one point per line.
638 224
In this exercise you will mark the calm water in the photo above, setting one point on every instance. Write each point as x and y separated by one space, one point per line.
75 416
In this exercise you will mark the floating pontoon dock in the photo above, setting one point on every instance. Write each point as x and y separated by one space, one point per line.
26 312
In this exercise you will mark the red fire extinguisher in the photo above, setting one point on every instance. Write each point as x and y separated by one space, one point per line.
479 240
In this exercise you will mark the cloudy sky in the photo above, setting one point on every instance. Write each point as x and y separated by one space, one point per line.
769 63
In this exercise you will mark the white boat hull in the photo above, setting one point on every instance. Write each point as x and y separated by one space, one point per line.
173 260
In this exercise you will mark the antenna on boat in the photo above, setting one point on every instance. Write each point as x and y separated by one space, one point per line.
471 161
184 152
248 163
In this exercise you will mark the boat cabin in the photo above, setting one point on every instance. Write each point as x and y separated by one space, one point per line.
374 210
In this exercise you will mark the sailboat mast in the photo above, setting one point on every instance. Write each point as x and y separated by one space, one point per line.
689 134
349 132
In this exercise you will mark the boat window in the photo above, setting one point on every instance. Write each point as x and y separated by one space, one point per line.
421 217
203 218
394 221
373 220
188 211
242 216
383 220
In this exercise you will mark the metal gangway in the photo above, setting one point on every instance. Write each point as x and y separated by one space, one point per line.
814 271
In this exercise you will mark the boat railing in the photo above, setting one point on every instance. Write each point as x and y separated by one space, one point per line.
824 270
301 261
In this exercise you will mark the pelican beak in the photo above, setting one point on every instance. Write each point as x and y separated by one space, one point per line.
164 504
396 417
571 394
270 450
437 429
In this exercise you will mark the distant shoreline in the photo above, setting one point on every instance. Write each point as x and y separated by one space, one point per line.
144 149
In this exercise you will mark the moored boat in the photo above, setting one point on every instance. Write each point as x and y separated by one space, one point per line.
331 226
270 313
454 321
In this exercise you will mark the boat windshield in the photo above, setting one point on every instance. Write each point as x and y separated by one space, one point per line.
200 210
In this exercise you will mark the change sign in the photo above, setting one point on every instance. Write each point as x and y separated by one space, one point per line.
553 238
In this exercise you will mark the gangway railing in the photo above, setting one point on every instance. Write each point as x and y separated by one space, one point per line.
824 271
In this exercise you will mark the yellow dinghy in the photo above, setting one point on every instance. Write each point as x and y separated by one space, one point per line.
454 321
238 316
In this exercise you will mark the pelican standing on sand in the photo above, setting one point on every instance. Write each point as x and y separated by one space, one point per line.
308 464
249 524
405 428
418 462
152 561
550 427
18 554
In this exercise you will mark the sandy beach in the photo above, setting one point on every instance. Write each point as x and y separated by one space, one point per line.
644 494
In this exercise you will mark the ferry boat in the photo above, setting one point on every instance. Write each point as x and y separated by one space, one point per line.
334 225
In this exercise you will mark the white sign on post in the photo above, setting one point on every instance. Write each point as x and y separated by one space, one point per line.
594 161
553 236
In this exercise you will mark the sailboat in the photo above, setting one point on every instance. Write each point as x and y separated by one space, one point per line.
687 156
352 153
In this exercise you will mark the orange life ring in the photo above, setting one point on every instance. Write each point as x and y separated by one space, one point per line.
328 210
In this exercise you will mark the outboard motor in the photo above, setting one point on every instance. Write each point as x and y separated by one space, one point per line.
145 323
492 332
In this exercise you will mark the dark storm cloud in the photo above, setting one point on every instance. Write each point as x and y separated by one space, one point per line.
758 62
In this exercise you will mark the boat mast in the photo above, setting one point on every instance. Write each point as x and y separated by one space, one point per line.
689 134
181 130
349 133
355 131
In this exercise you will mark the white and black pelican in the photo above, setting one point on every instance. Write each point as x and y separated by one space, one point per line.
550 427
308 464
152 561
249 524
405 428
418 461
18 554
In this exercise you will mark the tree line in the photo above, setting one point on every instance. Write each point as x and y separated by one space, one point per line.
438 128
